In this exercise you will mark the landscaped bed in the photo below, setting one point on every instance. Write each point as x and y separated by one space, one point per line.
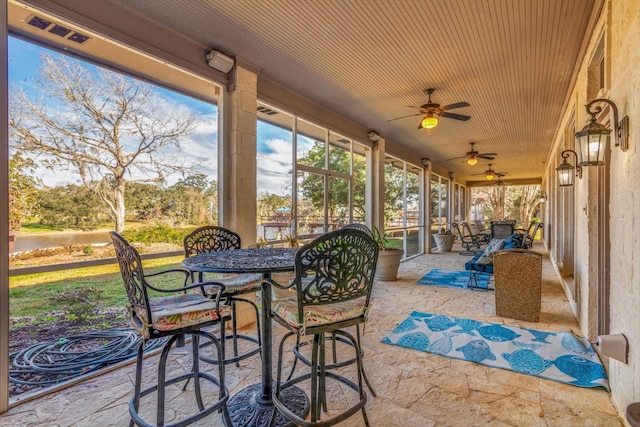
50 307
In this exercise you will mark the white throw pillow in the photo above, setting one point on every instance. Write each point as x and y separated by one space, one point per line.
494 246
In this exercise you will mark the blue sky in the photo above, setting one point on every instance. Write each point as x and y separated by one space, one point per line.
274 144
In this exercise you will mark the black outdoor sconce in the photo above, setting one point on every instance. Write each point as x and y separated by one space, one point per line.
543 197
592 142
594 137
566 169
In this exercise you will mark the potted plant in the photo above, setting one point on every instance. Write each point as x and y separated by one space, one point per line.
388 258
444 240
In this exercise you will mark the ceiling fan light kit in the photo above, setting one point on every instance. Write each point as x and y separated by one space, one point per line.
429 122
473 156
432 110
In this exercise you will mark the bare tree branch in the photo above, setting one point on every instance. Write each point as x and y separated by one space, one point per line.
106 126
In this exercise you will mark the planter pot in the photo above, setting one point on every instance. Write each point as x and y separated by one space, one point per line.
388 263
444 242
12 239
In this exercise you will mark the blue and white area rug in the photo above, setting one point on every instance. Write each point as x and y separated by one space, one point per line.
557 356
451 279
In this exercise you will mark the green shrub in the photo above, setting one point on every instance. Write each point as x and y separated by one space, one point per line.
157 234
87 249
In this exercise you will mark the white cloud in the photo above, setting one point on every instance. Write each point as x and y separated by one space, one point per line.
273 166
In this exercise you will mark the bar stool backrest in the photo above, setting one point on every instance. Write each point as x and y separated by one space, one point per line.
361 227
133 278
338 266
210 239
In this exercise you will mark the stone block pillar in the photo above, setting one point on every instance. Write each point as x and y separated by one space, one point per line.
238 157
375 186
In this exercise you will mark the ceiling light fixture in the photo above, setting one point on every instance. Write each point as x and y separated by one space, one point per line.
594 137
428 122
472 161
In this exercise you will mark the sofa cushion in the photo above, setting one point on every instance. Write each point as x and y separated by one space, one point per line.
512 242
473 264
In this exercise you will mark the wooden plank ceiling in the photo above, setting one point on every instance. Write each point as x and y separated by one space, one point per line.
511 60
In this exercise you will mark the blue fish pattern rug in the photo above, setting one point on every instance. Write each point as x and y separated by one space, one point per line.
451 279
557 356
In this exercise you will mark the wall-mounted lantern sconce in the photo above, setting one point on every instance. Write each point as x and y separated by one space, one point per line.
594 137
425 162
543 197
565 170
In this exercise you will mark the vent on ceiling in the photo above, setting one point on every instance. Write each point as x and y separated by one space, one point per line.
57 29
267 111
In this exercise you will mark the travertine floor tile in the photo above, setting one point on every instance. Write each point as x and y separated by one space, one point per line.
413 388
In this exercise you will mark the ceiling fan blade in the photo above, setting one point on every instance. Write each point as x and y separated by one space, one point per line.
488 154
404 117
456 105
456 116
484 156
456 158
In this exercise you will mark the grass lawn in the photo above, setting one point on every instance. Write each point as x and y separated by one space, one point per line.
32 295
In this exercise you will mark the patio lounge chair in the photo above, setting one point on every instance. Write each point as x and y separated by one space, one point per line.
466 238
529 234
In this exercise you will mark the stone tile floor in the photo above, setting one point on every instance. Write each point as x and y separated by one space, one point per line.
414 388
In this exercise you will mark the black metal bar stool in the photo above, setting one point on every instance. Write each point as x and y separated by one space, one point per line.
333 278
212 239
175 315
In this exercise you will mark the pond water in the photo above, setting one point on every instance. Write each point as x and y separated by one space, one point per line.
27 242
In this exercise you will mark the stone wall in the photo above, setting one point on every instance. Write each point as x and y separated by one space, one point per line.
619 27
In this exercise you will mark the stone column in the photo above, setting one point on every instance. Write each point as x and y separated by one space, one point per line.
375 186
238 157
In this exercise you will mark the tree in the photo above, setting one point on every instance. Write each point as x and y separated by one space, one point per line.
104 126
312 185
501 199
70 206
269 202
194 200
22 190
529 201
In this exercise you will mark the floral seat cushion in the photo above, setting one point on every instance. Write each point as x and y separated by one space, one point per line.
181 310
317 315
235 284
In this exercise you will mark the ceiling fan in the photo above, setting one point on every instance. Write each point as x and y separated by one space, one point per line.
432 110
499 182
490 173
472 156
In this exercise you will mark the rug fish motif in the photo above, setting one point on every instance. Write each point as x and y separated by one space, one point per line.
557 356
451 279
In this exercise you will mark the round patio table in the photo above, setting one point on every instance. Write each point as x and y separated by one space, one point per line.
253 406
